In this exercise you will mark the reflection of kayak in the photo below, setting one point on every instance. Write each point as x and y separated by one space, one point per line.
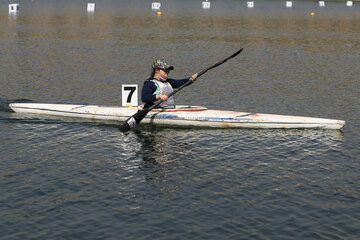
180 116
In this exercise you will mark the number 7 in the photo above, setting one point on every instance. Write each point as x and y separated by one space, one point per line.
132 90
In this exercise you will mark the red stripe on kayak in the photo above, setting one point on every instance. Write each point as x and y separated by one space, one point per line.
179 110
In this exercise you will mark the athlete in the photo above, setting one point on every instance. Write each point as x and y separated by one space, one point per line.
159 86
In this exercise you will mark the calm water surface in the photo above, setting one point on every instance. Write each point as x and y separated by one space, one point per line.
69 179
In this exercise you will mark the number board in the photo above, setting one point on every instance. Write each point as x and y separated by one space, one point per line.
129 94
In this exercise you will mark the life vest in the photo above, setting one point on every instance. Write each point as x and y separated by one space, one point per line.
164 88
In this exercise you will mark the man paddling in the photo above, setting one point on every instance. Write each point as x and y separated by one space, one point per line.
159 86
135 119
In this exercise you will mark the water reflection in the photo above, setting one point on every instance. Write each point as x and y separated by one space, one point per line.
210 183
165 149
12 18
154 154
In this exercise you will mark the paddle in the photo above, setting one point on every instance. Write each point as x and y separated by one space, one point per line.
137 117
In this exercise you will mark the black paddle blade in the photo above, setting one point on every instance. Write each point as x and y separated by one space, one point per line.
237 53
132 121
219 63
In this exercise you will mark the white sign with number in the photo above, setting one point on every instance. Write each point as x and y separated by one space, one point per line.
91 7
250 4
156 5
129 94
206 4
14 8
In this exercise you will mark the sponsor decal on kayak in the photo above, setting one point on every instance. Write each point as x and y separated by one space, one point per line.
209 119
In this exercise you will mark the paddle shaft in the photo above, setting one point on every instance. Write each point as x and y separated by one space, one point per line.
137 117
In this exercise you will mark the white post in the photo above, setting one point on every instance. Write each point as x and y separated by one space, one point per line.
288 4
156 5
322 3
349 3
206 4
14 8
250 4
91 7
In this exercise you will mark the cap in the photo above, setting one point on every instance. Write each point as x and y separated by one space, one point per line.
162 64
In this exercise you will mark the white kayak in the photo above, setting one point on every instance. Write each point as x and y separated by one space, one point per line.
196 116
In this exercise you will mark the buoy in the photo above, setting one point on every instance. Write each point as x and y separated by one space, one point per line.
156 5
206 4
288 4
349 3
250 4
14 8
159 13
91 7
312 13
322 3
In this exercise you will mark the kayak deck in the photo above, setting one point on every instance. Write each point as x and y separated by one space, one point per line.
181 116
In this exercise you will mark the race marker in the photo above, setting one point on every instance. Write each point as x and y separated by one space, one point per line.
129 95
206 4
250 4
155 6
14 8
91 7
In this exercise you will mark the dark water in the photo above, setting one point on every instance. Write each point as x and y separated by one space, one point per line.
68 179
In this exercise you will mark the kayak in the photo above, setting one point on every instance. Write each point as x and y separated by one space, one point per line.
182 115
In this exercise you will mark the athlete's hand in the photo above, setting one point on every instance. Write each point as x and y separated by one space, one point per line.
193 77
163 97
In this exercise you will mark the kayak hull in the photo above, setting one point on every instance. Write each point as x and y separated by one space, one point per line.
192 116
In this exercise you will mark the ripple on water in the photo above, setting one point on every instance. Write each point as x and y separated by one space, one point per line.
65 179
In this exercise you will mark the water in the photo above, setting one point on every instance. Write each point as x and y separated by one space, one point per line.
69 179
